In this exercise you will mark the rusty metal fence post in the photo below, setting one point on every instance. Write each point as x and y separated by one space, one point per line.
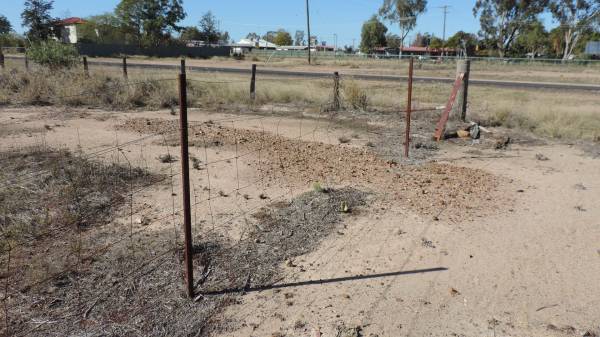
408 107
336 91
463 67
86 70
185 177
125 76
253 83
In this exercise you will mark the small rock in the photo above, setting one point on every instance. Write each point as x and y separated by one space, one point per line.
144 221
541 157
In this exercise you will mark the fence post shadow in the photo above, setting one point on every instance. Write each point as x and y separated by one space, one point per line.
322 281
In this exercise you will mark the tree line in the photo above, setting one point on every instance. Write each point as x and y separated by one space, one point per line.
147 23
507 27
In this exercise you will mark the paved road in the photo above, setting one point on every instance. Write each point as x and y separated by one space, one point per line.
367 77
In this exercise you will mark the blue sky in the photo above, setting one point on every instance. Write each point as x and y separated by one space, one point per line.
239 17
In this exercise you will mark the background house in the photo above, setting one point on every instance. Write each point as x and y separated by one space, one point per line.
66 29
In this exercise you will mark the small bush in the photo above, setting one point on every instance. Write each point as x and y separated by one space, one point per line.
356 96
53 54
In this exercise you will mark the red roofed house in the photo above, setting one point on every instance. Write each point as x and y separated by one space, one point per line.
67 29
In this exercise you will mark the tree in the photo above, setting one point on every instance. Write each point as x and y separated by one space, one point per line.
5 26
224 38
208 28
11 40
502 20
556 41
436 43
36 16
299 38
191 33
151 22
464 43
403 12
575 17
103 28
270 36
534 40
421 40
372 35
253 36
393 40
283 38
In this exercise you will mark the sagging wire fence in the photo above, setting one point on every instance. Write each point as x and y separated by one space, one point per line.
93 236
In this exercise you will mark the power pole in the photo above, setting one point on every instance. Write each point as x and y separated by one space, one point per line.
445 8
308 28
335 46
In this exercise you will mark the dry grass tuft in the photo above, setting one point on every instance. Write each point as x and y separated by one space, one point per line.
45 188
355 95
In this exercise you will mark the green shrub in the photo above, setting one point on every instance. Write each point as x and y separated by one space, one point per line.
53 54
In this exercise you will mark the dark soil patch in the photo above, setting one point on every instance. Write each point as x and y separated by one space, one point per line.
281 232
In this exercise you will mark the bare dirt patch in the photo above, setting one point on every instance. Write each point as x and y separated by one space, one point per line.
430 189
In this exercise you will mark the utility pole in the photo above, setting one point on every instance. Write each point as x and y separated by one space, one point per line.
308 28
335 46
445 8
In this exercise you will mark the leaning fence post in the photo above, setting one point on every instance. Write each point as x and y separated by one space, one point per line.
1 60
463 67
26 63
253 83
125 67
185 177
408 107
86 70
336 91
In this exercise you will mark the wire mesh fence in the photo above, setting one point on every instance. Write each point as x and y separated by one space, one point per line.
93 236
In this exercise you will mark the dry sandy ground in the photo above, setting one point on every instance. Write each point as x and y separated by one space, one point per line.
523 261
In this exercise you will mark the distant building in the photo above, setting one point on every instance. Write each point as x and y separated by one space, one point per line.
292 48
247 45
67 29
323 48
414 51
593 49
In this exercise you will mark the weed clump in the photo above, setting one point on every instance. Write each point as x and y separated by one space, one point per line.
356 96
